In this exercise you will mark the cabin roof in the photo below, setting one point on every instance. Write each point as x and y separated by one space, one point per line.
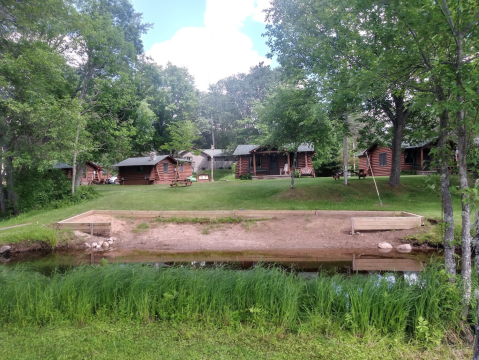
145 160
215 152
246 149
62 166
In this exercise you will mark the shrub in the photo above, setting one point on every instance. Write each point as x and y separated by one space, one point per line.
246 177
48 189
408 172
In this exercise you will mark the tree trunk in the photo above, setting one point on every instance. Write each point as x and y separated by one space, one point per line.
345 151
398 119
293 169
476 247
75 154
12 197
461 159
78 174
449 259
3 208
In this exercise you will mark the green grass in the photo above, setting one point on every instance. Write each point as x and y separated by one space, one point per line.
309 193
170 340
263 297
220 174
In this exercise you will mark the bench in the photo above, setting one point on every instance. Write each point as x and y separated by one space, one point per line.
307 171
182 182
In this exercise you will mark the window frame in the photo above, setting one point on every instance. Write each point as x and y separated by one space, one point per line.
165 168
384 161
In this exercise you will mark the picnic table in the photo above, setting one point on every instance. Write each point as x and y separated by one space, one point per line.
181 182
361 174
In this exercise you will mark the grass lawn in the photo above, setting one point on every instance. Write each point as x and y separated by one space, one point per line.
164 340
309 193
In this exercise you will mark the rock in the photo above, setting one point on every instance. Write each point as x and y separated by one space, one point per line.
98 247
4 249
385 245
87 245
94 245
100 242
110 242
404 248
384 250
105 244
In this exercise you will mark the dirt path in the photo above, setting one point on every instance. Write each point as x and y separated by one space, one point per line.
295 232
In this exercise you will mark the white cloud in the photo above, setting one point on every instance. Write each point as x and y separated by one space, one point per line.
218 49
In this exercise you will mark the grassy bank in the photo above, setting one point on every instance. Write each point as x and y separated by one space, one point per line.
171 340
261 297
317 193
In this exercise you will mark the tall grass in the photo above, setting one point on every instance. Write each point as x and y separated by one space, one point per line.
262 296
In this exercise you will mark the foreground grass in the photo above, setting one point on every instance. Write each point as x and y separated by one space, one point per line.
262 297
169 340
312 194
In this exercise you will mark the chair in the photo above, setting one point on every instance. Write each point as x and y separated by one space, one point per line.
285 170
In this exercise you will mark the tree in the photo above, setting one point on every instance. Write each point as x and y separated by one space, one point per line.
182 135
291 116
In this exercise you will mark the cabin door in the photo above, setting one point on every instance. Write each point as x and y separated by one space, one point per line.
273 164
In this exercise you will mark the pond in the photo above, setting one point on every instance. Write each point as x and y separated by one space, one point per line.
302 260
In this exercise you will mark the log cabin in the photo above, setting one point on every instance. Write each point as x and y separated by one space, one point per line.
93 173
66 168
415 158
153 169
266 163
202 161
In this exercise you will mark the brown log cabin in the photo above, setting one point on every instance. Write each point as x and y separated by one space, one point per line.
263 162
415 158
152 170
93 174
65 168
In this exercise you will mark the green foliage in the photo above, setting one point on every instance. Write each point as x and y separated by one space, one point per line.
145 340
48 189
246 176
408 172
262 297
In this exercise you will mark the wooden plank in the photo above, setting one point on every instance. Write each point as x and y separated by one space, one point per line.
387 265
199 214
273 213
13 226
349 213
386 223
133 213
79 216
406 214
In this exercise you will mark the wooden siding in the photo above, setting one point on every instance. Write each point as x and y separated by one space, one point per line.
386 170
304 159
128 175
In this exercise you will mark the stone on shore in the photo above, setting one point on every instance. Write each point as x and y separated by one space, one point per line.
385 245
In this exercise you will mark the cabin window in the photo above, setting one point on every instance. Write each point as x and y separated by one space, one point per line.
293 161
165 168
258 162
383 159
181 167
409 156
188 157
139 169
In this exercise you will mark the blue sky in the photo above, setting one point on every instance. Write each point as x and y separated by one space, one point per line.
212 38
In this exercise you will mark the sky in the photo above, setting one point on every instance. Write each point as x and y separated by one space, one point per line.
214 39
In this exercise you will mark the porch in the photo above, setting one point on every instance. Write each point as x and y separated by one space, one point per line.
268 177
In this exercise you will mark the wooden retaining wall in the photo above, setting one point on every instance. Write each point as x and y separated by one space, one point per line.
403 222
370 220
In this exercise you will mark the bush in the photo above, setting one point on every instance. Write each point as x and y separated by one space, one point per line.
408 172
48 189
233 168
246 177
296 173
